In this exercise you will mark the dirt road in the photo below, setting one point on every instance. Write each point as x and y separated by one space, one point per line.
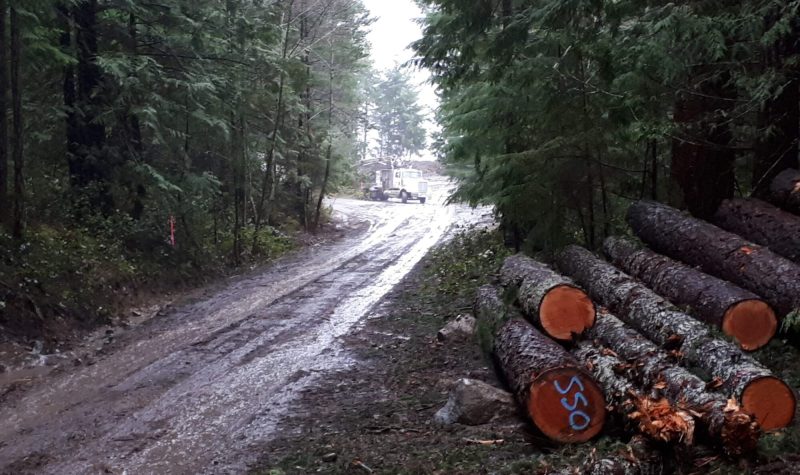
193 391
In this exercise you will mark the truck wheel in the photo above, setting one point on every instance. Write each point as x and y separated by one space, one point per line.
404 196
422 201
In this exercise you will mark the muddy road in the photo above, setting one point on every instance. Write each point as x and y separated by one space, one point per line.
199 388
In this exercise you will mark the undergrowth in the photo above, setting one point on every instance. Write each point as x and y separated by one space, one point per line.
58 275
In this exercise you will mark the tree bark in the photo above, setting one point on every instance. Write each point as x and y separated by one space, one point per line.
719 253
740 375
563 401
741 314
4 195
657 419
17 142
491 313
784 191
551 301
763 224
735 430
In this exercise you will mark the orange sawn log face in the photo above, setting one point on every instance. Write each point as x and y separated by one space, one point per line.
567 405
566 311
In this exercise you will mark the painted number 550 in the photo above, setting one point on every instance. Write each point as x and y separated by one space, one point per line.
578 420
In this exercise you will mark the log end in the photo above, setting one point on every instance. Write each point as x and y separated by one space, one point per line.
771 401
751 322
567 405
566 311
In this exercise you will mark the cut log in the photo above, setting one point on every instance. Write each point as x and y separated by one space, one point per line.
550 301
657 419
742 376
740 313
784 191
515 269
723 421
719 253
763 224
491 313
561 398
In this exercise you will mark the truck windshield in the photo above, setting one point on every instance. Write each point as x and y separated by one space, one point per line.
411 174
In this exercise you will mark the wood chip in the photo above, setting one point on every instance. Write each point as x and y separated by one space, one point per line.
485 442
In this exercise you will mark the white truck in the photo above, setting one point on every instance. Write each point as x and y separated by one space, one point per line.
402 183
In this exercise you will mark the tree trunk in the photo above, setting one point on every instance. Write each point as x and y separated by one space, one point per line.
763 224
69 93
85 166
329 154
4 195
17 142
654 369
702 160
765 396
268 184
784 191
551 301
657 419
776 148
491 313
739 313
563 401
719 253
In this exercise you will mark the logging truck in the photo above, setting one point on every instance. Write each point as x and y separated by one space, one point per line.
401 183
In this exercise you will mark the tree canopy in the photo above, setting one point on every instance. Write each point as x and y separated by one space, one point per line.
398 116
562 113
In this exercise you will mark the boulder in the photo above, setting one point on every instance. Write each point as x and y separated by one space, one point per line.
474 402
462 327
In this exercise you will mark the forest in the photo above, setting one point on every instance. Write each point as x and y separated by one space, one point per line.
561 113
149 144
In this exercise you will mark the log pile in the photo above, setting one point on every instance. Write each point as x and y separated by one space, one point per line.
719 253
549 300
662 370
762 394
739 313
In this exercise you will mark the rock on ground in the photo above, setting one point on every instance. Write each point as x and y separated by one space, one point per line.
474 402
461 328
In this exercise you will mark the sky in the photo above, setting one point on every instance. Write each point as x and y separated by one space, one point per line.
393 31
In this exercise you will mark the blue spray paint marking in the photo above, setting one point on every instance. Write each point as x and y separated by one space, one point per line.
578 420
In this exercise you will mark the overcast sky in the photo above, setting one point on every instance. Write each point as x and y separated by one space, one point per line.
392 32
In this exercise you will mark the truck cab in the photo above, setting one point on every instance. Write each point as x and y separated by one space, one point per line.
403 183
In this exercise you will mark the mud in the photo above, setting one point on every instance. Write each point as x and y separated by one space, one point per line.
197 388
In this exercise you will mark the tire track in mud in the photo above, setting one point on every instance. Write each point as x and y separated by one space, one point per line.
198 389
